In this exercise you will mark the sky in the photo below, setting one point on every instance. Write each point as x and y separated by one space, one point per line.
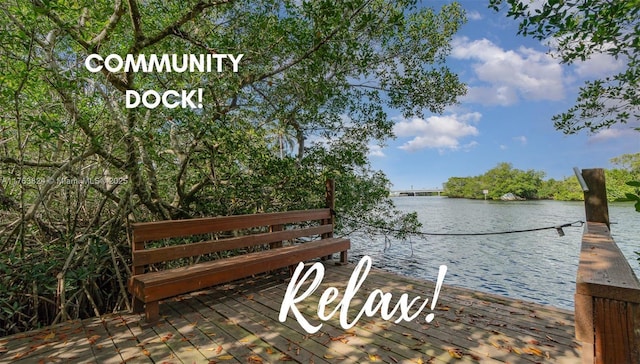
514 89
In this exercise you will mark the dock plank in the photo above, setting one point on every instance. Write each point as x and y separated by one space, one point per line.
399 340
192 329
124 339
101 342
150 344
375 338
241 344
460 310
238 323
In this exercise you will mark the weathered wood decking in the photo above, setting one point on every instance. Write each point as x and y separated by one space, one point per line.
238 323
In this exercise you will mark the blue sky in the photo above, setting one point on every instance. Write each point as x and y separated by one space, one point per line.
514 88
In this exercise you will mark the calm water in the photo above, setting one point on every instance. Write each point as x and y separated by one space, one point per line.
536 266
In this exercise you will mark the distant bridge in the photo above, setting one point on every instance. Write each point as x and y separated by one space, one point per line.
420 192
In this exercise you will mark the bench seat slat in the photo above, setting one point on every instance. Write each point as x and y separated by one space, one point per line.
154 286
163 254
149 231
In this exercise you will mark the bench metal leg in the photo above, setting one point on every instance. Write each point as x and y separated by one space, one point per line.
152 311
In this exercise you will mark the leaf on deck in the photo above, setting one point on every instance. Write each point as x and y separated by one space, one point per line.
374 357
455 353
50 336
533 351
20 355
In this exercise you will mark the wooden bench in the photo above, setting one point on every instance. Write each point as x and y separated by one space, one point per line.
270 241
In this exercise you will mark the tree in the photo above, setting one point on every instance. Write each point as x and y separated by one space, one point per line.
308 99
500 180
578 30
630 162
630 173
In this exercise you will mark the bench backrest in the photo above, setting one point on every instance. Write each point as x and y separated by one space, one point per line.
158 230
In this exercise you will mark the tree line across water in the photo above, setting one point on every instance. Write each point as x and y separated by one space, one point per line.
531 184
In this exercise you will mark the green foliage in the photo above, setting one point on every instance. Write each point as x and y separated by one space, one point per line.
498 181
630 174
581 29
634 196
630 162
309 99
530 185
567 189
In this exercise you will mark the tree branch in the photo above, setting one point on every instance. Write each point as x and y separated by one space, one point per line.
171 29
134 12
309 52
9 160
118 11
52 180
72 31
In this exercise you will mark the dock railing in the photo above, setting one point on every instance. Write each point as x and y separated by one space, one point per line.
607 299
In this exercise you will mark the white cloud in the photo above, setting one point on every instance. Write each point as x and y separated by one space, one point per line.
521 139
474 15
606 134
376 151
438 132
498 95
506 76
599 65
472 144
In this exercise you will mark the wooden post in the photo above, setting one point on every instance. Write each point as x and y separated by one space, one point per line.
607 300
330 202
273 228
584 326
595 199
137 306
330 198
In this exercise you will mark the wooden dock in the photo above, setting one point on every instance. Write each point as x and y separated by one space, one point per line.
238 323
